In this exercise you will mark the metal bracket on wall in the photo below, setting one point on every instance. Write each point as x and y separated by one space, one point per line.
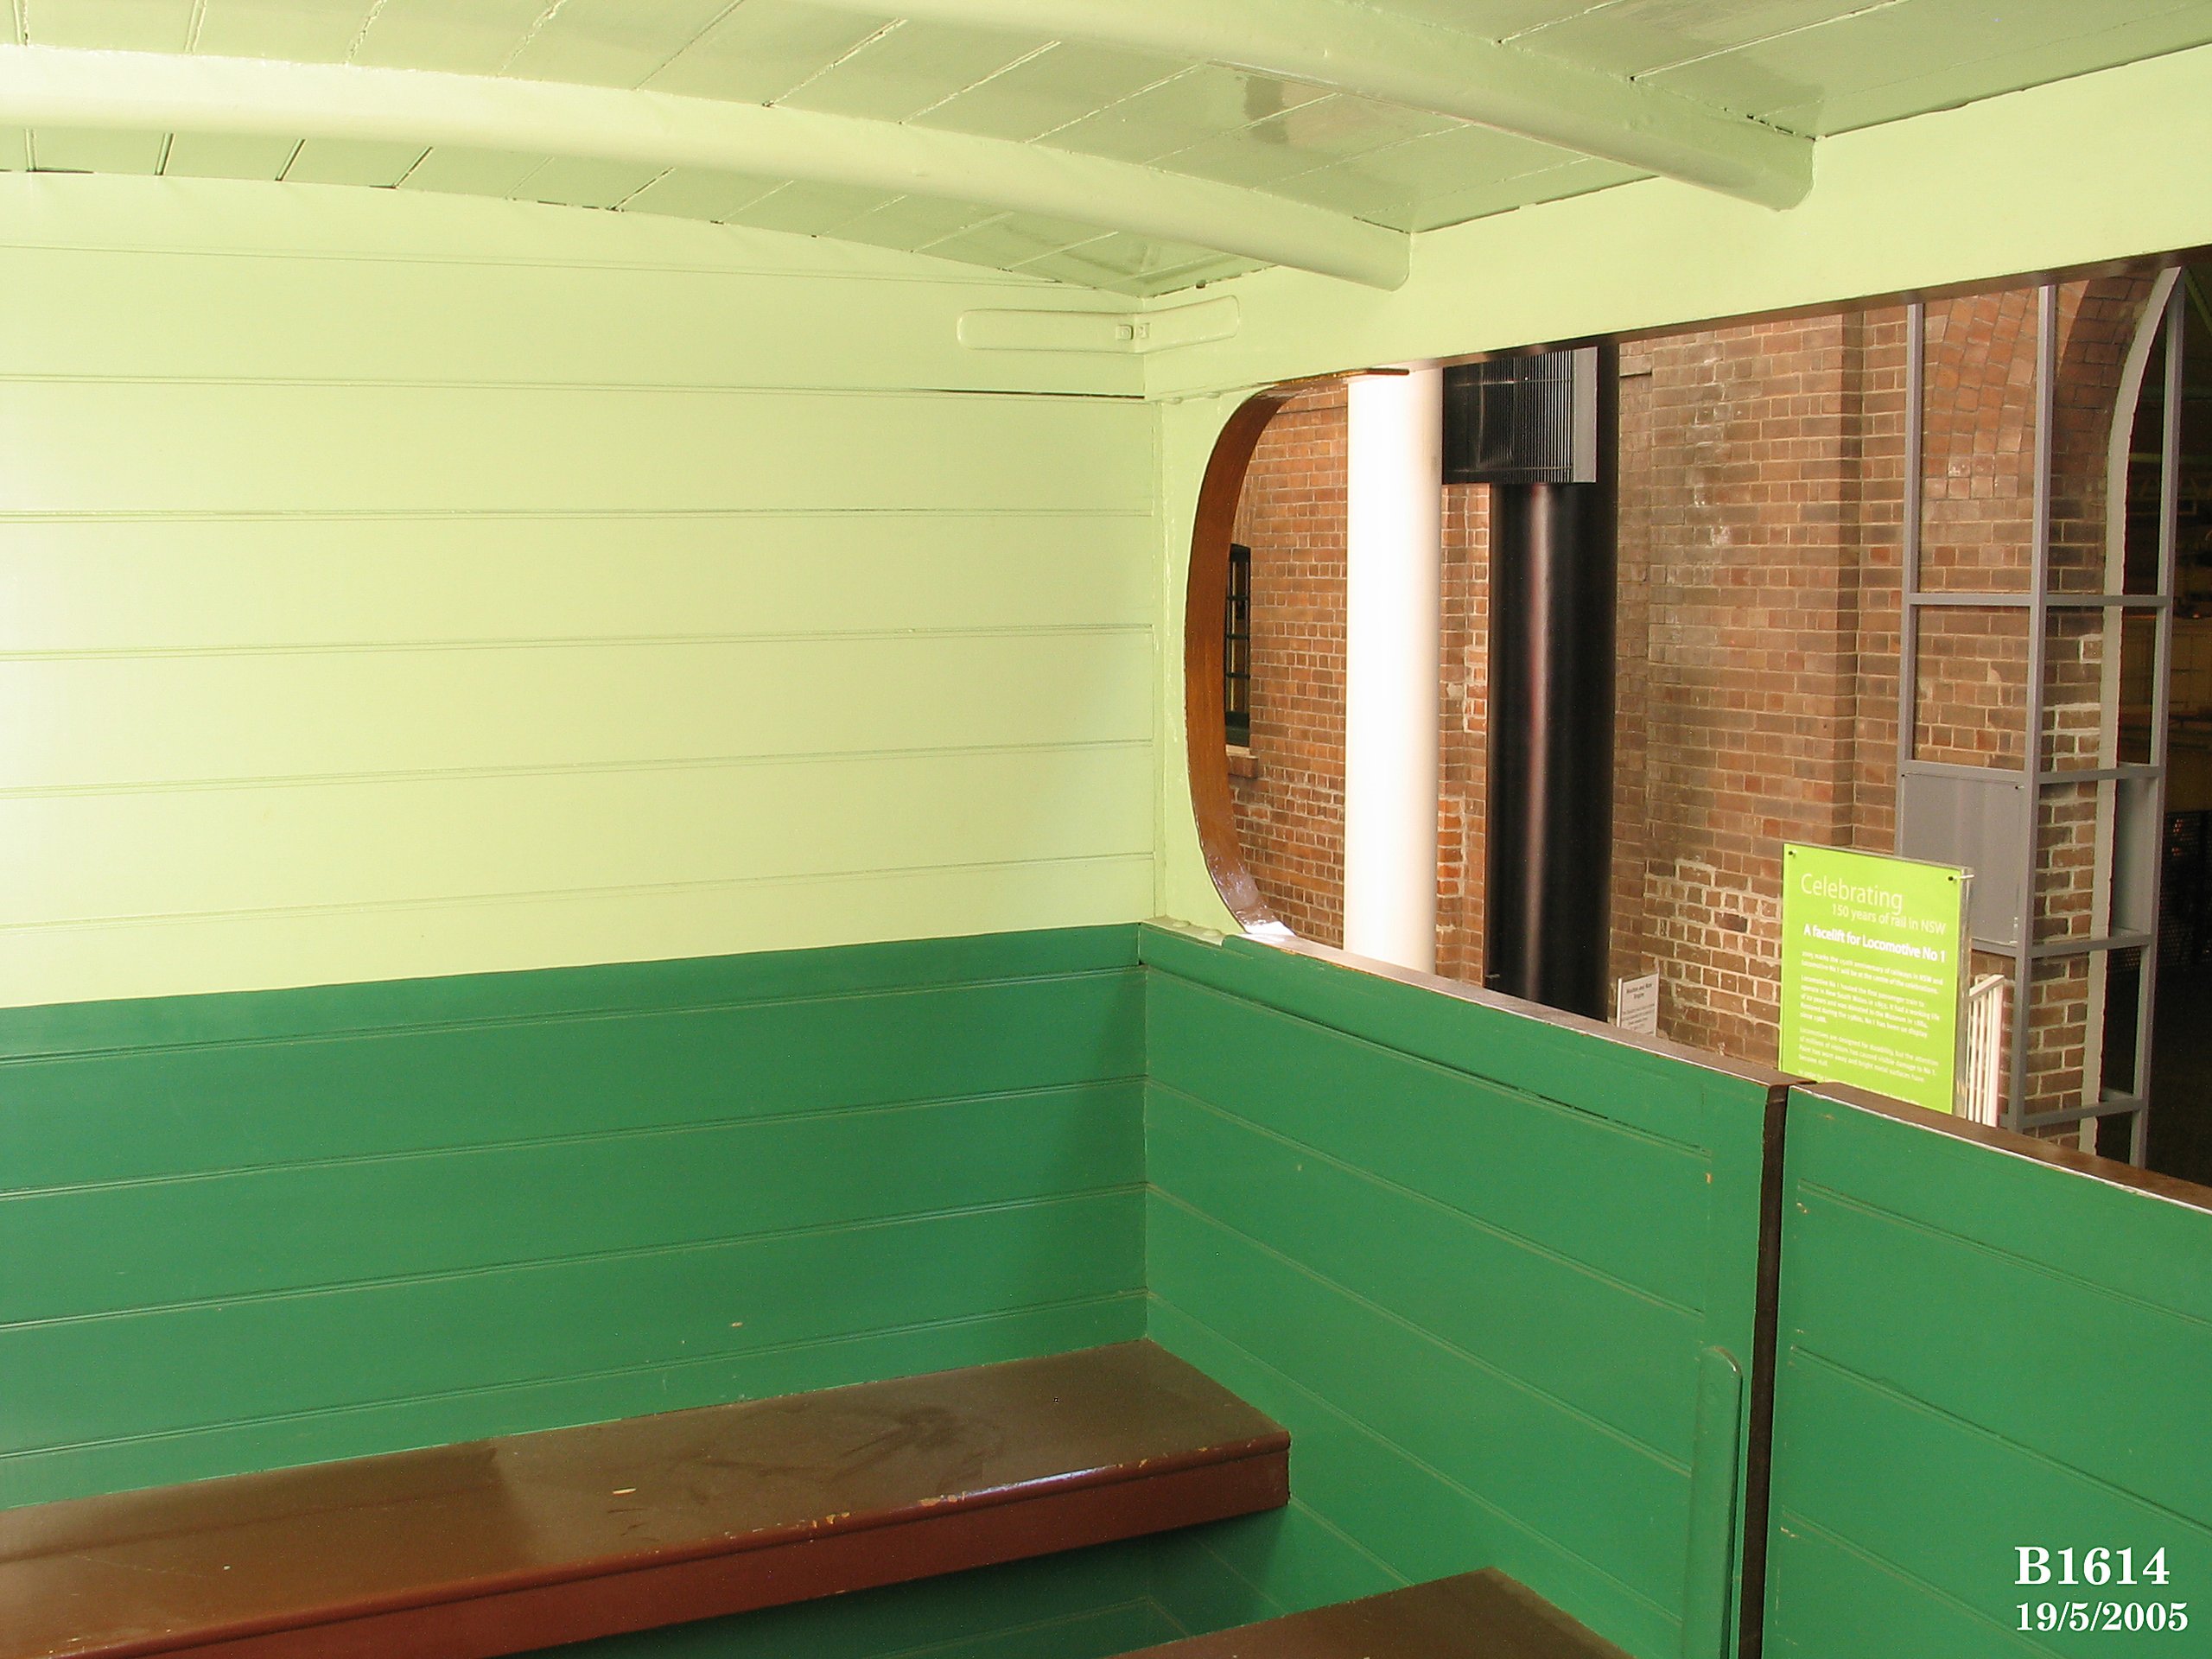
1990 819
1118 333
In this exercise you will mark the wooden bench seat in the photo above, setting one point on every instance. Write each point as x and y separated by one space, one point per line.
1482 1615
502 1546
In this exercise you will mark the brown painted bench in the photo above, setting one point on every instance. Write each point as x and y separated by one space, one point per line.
1482 1615
503 1546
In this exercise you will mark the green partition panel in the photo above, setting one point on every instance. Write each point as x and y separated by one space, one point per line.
252 1230
1988 1346
1495 1269
1087 1603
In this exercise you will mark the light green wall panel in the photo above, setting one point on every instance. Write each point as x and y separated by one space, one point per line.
389 590
775 820
223 279
108 586
269 448
1186 892
109 872
285 947
337 711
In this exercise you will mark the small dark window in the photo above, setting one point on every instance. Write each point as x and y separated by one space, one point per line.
1237 648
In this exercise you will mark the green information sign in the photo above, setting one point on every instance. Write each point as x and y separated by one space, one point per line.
1873 955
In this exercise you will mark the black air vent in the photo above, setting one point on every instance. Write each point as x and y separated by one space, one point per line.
1523 419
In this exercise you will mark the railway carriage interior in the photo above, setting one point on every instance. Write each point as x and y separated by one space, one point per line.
626 1023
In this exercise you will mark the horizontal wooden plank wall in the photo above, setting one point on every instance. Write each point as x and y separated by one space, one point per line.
389 590
277 1228
1984 1348
1469 1257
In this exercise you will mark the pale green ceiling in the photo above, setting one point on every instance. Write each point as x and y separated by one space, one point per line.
1807 66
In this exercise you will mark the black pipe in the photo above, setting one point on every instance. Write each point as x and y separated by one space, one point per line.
1549 884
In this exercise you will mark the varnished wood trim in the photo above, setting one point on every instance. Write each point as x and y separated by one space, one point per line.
502 1547
685 1589
1207 756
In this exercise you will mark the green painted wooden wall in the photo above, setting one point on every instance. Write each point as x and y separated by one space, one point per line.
1982 1351
393 585
1085 1605
1470 1258
1459 1249
1476 1258
253 1230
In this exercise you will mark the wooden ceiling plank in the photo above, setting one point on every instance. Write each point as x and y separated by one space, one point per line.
1401 60
163 92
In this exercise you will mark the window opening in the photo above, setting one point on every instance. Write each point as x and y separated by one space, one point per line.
1236 649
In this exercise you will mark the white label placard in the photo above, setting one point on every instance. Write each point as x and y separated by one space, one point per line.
1635 1004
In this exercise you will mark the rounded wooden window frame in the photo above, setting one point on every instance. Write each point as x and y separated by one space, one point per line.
1205 734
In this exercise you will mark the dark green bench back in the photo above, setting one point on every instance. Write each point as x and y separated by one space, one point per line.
1482 1262
246 1231
1471 1257
1983 1349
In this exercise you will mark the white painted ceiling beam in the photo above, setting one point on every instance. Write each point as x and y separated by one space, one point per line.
1349 48
154 92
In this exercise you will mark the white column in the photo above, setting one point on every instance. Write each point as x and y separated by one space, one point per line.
1394 555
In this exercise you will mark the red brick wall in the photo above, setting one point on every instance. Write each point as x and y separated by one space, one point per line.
1750 532
1461 845
1762 488
1290 815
